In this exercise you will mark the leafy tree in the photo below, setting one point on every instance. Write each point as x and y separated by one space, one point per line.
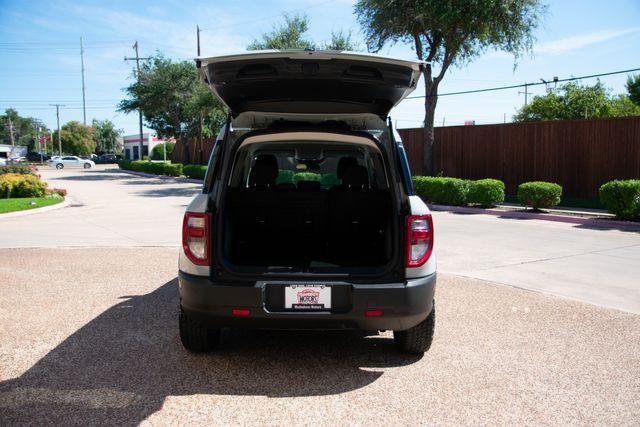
106 135
158 151
287 36
575 101
341 40
446 33
291 35
633 87
171 95
75 138
24 129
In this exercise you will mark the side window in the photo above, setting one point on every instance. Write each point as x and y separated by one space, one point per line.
68 158
404 163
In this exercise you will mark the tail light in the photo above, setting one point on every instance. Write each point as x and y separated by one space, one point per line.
419 239
196 237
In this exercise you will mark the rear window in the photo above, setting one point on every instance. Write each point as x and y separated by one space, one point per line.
299 164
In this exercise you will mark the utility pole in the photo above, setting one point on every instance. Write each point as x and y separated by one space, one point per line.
58 120
138 59
526 94
36 124
11 132
199 112
84 107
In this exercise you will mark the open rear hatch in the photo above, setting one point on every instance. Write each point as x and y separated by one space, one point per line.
309 81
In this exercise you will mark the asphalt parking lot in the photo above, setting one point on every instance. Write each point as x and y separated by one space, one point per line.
88 325
98 343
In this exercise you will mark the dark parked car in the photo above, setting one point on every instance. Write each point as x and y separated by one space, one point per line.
307 217
107 158
32 156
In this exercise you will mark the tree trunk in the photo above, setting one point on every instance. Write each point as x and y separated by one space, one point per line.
186 156
430 101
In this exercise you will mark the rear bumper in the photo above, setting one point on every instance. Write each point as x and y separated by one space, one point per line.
404 305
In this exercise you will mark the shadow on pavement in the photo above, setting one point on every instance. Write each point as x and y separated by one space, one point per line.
120 367
170 192
623 226
90 176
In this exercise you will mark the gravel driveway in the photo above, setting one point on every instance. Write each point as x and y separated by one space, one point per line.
95 341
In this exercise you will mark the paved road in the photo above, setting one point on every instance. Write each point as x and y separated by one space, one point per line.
89 334
108 208
115 209
94 341
594 265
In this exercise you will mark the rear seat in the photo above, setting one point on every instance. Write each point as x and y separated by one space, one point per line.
273 222
357 216
278 219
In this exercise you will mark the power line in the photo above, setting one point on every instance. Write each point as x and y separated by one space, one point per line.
525 85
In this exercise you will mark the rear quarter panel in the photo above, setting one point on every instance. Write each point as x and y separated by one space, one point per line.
198 205
418 207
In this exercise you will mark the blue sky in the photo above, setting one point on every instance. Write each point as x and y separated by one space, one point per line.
40 61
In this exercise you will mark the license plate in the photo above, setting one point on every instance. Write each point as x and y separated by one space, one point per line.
307 297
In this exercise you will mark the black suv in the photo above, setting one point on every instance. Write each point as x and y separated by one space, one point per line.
307 217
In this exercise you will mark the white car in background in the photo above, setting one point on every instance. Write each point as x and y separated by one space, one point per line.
71 162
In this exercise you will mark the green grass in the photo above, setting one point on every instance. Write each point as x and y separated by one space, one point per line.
12 205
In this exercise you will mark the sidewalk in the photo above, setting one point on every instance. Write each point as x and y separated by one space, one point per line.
585 217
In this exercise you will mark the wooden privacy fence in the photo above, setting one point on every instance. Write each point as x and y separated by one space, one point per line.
194 151
580 155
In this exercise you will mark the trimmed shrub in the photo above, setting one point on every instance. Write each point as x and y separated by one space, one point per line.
485 192
328 180
305 176
20 168
158 168
622 198
441 190
16 185
539 194
157 151
285 177
195 171
58 191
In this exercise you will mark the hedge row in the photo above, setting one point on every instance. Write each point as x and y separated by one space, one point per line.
459 192
158 168
622 198
327 180
194 171
17 185
20 168
484 192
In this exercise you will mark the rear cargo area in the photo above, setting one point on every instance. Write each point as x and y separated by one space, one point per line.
308 206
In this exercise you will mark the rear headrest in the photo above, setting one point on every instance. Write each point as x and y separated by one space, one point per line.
343 164
355 177
264 171
309 185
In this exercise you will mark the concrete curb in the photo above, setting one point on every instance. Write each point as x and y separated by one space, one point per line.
165 177
570 219
36 210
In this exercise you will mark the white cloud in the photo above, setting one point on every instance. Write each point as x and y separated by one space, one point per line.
569 44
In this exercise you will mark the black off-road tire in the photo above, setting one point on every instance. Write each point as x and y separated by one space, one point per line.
418 339
195 336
